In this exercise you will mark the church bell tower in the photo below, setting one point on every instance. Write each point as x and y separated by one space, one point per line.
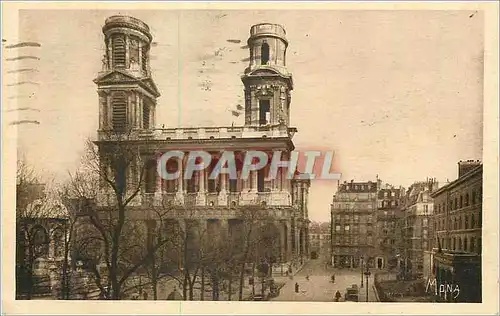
127 92
267 81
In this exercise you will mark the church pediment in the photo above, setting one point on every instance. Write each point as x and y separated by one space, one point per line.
115 77
149 85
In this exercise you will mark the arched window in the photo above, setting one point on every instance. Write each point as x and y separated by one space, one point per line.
460 244
465 244
461 202
58 240
119 106
460 222
478 245
40 242
473 197
472 244
264 54
455 224
456 204
466 199
118 43
466 222
472 221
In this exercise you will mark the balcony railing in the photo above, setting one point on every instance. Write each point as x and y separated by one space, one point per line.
228 199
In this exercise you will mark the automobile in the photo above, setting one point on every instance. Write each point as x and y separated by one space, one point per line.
259 297
351 294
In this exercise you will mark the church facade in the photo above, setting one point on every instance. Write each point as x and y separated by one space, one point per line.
127 114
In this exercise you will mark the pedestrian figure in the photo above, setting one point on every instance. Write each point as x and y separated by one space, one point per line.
296 287
307 277
337 296
333 278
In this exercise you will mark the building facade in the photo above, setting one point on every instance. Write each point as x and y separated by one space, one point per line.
388 235
127 110
353 216
418 208
319 235
456 248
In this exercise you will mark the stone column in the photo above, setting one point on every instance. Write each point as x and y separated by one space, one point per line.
253 187
282 240
223 191
179 195
140 105
110 110
139 62
110 53
254 108
289 252
127 52
138 115
201 196
102 102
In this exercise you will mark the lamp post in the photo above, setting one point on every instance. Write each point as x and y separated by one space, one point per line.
361 268
367 274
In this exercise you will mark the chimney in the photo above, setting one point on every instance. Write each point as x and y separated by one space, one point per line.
466 166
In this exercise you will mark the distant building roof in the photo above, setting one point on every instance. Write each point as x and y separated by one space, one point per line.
357 187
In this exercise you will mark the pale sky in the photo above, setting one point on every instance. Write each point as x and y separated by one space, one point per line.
393 93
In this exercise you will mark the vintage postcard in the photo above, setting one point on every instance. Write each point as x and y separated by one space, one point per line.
267 158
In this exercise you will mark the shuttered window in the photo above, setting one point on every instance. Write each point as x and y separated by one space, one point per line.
119 103
144 61
145 115
118 52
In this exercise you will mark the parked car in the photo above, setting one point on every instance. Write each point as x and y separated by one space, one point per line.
351 294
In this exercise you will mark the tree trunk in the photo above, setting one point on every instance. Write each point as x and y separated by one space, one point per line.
191 291
154 277
65 278
185 285
215 286
202 297
230 287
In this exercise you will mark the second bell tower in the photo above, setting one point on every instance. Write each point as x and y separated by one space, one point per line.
267 81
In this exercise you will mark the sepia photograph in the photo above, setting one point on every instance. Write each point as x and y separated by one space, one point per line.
247 154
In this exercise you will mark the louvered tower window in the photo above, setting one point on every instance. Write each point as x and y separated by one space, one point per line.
119 103
145 115
119 52
144 60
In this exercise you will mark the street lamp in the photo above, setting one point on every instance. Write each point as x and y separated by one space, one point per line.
361 266
367 274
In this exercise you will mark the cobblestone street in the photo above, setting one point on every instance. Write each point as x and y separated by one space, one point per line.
319 287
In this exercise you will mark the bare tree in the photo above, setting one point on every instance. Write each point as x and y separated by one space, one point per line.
120 233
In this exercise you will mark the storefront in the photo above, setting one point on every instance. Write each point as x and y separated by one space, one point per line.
457 278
